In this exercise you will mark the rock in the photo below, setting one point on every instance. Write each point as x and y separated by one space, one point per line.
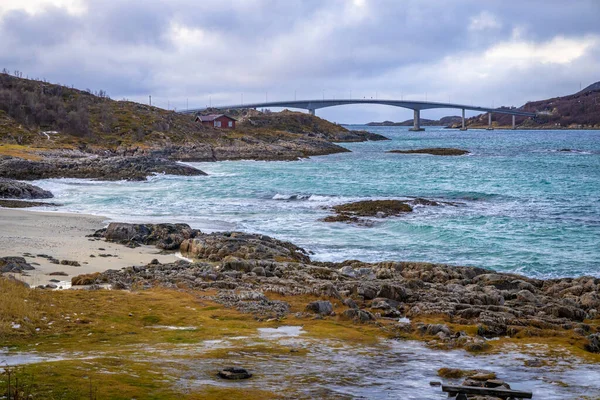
593 344
25 204
590 300
11 189
454 373
483 376
58 273
14 264
320 307
163 236
350 303
437 151
234 373
85 279
496 383
71 263
526 296
245 246
105 168
374 208
394 292
259 271
358 315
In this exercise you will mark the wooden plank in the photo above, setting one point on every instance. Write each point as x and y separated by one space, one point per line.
505 393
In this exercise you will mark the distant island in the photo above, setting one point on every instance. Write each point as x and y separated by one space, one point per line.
445 121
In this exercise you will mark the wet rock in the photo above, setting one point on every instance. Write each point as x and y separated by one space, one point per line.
14 264
234 373
105 168
11 189
58 273
437 151
25 204
320 307
351 212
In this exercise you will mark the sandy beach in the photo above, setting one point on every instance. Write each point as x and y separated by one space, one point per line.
63 236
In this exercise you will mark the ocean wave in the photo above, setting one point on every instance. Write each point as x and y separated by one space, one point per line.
302 197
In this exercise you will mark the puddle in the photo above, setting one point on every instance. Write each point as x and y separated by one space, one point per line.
280 332
329 368
173 328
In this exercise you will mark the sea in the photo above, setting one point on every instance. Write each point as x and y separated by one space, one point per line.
521 201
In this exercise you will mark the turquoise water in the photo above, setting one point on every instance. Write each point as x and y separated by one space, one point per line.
524 205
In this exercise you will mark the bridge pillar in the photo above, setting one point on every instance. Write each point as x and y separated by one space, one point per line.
417 122
513 122
311 111
464 128
490 128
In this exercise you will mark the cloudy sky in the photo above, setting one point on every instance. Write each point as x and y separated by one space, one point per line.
196 52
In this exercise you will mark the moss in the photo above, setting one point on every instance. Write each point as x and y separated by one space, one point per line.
455 373
371 208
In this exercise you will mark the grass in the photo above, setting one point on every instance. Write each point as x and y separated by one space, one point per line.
121 331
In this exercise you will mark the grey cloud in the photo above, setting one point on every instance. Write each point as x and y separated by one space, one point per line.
394 48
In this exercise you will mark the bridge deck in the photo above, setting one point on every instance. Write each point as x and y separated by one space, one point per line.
312 105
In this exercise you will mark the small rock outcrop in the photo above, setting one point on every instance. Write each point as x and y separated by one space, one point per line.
11 189
351 212
14 264
163 236
104 168
436 151
246 246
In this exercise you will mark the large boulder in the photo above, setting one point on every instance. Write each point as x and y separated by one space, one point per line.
246 246
320 307
11 189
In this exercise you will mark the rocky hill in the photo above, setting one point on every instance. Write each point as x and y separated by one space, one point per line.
39 119
577 111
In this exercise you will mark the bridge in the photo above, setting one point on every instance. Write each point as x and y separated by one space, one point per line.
416 106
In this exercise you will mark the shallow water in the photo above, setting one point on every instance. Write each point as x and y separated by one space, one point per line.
525 205
336 369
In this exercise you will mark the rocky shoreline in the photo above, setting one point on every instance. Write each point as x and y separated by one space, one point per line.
245 269
104 168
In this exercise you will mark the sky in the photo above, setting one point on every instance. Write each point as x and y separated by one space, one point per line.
190 53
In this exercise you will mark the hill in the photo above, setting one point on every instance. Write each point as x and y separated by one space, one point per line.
39 118
576 111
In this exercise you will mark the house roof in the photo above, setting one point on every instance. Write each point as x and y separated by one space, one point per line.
212 117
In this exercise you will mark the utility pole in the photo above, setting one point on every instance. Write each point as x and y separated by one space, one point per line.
150 99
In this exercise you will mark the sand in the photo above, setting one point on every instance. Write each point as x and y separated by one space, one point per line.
63 236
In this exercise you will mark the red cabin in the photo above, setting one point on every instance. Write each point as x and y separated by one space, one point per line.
221 121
